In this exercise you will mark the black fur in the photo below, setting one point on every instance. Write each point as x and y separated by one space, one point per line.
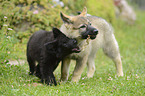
48 49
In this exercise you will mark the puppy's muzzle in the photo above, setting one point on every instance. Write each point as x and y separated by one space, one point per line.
90 32
95 32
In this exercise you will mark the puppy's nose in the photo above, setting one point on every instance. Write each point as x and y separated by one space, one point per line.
95 31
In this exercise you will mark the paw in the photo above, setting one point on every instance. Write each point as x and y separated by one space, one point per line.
64 78
49 81
38 75
120 74
76 78
90 75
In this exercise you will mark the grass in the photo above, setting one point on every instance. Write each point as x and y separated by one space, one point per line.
15 81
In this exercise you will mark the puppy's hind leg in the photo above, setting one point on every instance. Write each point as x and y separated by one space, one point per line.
111 49
31 66
31 63
38 73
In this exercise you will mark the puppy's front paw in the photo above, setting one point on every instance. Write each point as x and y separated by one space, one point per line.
49 81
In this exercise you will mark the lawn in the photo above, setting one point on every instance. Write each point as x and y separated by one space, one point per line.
15 81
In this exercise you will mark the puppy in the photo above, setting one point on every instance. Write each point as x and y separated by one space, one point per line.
48 49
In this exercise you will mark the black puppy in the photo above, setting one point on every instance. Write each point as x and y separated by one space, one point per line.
48 49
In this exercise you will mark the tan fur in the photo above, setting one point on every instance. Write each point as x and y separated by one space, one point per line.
105 40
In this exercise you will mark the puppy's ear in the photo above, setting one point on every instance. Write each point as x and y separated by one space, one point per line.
84 12
51 46
66 18
57 32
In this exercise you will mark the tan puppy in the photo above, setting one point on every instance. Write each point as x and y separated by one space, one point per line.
77 27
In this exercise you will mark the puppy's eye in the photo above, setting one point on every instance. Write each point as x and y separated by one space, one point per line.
74 41
65 45
83 26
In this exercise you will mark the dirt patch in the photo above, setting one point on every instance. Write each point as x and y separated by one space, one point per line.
17 62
